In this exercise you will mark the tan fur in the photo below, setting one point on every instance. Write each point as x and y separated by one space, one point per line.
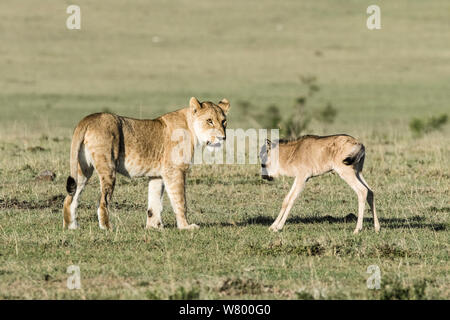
110 143
311 156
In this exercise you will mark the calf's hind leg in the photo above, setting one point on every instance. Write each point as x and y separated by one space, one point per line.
371 201
348 174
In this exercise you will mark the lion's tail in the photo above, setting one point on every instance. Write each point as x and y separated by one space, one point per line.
77 140
71 185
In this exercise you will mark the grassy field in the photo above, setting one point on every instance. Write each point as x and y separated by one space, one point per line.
142 60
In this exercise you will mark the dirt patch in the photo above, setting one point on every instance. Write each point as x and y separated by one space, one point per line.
36 149
392 251
395 289
53 202
238 286
46 175
310 250
56 203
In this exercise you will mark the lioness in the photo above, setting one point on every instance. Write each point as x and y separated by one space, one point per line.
311 156
110 143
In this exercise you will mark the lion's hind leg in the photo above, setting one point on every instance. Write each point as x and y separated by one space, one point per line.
106 170
155 198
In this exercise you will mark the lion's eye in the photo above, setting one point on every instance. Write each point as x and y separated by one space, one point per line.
210 122
224 123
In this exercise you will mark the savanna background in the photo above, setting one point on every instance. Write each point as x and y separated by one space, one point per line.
308 65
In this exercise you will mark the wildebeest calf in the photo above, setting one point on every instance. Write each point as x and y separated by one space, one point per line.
311 156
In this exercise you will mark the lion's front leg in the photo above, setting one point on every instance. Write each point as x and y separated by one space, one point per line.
174 182
155 198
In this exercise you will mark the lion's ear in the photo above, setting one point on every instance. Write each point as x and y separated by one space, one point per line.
224 104
194 104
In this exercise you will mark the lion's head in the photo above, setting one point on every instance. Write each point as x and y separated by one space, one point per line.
209 121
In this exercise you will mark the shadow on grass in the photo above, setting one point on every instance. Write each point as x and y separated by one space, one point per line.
415 222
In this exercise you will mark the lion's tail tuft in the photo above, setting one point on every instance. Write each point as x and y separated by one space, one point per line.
71 186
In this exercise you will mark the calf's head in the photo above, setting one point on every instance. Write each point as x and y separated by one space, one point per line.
269 160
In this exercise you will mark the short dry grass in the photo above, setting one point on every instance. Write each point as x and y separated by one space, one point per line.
249 51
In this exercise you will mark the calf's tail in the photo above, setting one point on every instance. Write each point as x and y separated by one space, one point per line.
357 157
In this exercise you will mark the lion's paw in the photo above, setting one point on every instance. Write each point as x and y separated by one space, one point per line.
189 227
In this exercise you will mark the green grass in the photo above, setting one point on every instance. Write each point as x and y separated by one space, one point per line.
246 51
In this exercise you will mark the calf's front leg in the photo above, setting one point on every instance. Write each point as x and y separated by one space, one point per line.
297 187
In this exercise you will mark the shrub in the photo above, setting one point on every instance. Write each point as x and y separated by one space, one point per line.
270 119
183 294
298 120
327 114
395 290
420 127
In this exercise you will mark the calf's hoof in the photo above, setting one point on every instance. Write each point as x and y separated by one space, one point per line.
274 228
